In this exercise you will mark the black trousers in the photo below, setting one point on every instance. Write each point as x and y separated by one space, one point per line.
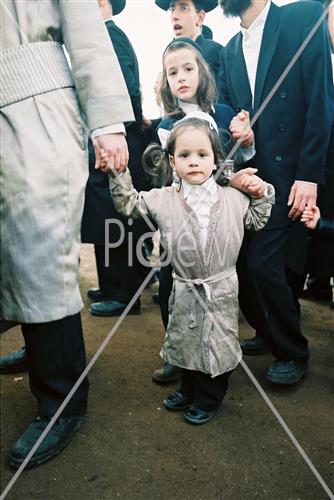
266 298
56 354
119 281
207 393
165 289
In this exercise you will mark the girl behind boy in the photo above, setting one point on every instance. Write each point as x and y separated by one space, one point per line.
187 85
202 225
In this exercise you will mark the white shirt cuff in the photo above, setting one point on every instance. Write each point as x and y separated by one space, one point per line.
117 128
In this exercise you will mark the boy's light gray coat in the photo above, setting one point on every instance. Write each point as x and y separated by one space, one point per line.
202 332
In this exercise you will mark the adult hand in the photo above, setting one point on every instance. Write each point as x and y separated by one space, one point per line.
240 129
116 149
302 194
246 181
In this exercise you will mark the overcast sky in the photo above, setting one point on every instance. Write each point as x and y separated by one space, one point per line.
149 30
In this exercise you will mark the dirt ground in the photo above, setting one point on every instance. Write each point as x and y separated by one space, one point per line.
132 448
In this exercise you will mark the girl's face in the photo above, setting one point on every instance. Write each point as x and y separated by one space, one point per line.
182 74
193 157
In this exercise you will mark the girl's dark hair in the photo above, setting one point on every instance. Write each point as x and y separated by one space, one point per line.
206 92
156 159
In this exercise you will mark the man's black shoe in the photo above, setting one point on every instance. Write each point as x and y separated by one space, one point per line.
198 417
177 401
254 346
112 308
97 295
55 441
168 373
286 372
14 362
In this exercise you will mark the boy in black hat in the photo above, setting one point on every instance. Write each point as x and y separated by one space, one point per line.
187 18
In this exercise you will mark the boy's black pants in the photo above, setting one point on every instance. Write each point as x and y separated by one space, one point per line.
207 393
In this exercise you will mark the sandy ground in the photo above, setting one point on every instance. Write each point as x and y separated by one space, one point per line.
132 448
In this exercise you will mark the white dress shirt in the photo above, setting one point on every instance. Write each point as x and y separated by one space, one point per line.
200 199
251 44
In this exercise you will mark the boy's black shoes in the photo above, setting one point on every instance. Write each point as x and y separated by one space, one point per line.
198 417
167 373
286 372
254 346
177 401
96 294
14 361
54 442
112 308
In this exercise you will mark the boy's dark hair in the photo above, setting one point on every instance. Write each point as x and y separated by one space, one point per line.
206 92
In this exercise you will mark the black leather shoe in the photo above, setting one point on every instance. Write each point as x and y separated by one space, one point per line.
198 417
14 362
177 401
97 295
55 441
168 373
254 346
112 308
286 372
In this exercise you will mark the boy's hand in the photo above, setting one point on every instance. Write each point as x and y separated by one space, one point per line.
240 129
310 217
246 181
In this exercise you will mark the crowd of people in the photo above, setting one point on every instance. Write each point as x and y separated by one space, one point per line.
233 236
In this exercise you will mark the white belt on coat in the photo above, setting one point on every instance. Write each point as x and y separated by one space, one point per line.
205 283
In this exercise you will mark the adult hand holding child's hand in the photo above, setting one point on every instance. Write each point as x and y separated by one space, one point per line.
111 152
245 180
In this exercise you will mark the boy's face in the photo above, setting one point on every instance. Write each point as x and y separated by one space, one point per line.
185 19
193 157
182 74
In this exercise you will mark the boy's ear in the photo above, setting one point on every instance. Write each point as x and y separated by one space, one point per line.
171 160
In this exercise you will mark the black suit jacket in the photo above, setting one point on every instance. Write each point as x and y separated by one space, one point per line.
98 202
292 132
212 54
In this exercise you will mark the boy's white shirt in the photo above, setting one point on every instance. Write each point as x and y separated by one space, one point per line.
201 198
245 153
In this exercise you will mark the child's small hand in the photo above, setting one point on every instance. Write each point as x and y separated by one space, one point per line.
310 217
104 163
240 129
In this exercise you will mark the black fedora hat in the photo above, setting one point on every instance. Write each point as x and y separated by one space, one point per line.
117 6
205 5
